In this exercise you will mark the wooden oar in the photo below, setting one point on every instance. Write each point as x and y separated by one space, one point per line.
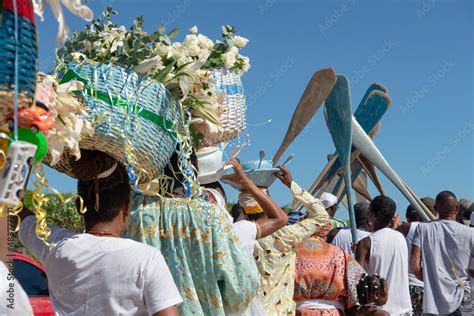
372 113
314 95
364 144
338 114
425 208
356 167
370 170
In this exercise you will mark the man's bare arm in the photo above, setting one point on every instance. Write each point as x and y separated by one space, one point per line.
415 263
363 251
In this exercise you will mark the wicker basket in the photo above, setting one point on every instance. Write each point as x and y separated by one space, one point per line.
124 108
27 56
233 119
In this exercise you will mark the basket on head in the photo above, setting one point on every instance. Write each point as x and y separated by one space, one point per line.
133 118
24 50
233 118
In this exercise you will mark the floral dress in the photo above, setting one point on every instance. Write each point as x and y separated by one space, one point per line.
325 272
209 264
275 255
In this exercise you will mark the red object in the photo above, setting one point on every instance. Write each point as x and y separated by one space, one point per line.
41 305
35 118
24 7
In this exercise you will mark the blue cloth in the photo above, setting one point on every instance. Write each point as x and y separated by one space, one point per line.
296 216
209 264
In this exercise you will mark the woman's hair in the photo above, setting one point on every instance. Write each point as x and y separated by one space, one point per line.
104 197
370 289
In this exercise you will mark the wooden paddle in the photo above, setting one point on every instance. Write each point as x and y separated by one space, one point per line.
314 95
356 168
370 113
365 145
370 170
338 114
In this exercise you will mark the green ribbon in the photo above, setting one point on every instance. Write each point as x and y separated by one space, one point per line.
165 124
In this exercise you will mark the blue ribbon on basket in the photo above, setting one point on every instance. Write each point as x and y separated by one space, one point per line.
230 89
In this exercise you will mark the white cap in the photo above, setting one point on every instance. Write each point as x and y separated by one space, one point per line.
328 200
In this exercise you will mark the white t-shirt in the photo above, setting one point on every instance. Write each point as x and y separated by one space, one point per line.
96 275
343 239
446 249
412 279
247 232
13 299
389 259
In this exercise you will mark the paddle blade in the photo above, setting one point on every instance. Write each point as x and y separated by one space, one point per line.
338 115
364 144
314 95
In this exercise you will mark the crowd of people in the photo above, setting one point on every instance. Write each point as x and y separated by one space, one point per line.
169 255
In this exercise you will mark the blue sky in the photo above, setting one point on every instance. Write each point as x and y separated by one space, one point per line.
421 50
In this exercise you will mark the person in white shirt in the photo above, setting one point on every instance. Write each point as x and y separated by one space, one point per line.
342 237
97 272
408 230
385 253
440 257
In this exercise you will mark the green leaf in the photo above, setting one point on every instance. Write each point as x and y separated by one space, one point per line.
164 72
161 29
173 33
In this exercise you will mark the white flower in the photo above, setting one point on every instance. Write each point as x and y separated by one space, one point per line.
190 40
176 51
233 51
240 41
204 42
194 50
78 57
245 64
148 64
162 49
229 59
193 30
184 60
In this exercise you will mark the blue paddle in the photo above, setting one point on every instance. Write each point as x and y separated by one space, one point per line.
362 110
378 102
338 114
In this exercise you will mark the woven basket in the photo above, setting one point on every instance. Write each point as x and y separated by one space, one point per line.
27 56
119 94
233 118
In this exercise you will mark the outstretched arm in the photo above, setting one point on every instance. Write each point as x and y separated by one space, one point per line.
276 217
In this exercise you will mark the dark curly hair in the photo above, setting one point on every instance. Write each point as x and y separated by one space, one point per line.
383 209
370 289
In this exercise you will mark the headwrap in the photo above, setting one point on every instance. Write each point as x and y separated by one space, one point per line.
249 204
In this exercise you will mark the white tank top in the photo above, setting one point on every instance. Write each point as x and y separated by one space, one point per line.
389 259
412 279
343 239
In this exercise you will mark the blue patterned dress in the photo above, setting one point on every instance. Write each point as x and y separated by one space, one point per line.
210 266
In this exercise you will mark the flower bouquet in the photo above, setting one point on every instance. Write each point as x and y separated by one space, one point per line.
138 88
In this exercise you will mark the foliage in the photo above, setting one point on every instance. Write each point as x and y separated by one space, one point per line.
58 213
183 67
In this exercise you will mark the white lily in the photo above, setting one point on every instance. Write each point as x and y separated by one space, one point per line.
74 6
148 64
